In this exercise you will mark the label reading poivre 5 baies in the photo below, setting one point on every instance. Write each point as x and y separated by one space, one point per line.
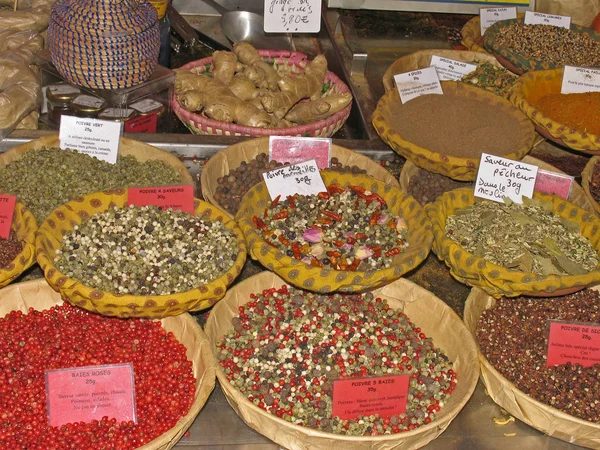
173 197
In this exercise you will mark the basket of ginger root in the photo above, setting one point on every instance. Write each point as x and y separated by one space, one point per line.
250 92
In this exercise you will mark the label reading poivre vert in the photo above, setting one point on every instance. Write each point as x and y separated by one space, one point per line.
501 177
96 138
489 16
7 210
292 16
418 82
536 18
577 80
302 178
450 69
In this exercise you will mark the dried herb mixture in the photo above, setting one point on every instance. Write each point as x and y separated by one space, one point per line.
491 78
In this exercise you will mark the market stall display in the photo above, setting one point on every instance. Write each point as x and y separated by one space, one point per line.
432 317
471 35
17 253
590 180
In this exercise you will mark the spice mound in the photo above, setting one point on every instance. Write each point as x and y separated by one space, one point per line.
66 336
594 183
288 347
146 251
9 249
527 237
427 186
491 78
47 178
556 45
579 111
513 336
345 229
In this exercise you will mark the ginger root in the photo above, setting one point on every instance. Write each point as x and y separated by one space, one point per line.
224 65
242 87
307 112
261 73
232 109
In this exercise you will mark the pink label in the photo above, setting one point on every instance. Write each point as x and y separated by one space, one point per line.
7 209
142 124
355 397
174 197
553 183
295 150
83 394
575 342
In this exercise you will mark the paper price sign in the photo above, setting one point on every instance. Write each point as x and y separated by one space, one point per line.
7 209
554 183
355 397
83 394
173 197
292 16
500 177
418 82
299 149
536 18
303 178
97 138
580 79
489 16
575 342
449 69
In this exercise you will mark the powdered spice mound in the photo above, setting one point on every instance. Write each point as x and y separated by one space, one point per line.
580 111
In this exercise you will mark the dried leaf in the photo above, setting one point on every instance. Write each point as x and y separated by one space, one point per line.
546 265
571 267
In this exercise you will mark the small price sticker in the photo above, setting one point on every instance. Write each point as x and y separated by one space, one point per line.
489 16
303 178
7 209
450 69
418 82
299 149
98 138
355 397
537 18
501 177
142 124
554 183
580 79
173 197
574 342
292 16
83 394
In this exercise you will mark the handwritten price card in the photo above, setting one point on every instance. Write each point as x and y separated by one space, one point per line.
554 183
7 209
355 397
500 177
299 149
292 16
489 16
418 82
173 197
580 79
303 178
99 138
83 394
575 342
536 18
449 69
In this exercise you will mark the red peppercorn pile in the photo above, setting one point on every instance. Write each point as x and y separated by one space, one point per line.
9 249
65 336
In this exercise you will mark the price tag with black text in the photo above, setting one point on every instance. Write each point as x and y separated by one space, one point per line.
489 16
97 138
418 82
292 16
302 178
536 18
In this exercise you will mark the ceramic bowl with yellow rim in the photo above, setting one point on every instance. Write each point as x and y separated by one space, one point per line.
499 281
64 218
24 227
386 121
586 178
527 92
324 279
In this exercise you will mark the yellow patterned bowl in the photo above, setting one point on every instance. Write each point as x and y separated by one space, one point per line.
65 217
471 35
532 86
499 281
458 168
325 280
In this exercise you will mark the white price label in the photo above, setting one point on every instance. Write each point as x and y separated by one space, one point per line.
501 177
292 16
99 138
302 178
59 89
450 69
580 79
536 18
489 16
418 82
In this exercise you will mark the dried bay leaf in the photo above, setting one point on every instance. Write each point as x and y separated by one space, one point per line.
546 266
571 267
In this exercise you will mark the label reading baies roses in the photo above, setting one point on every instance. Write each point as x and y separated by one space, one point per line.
489 16
577 80
554 183
7 209
292 16
355 397
536 18
166 197
418 82
96 138
501 177
449 69
302 178
294 150
575 342
83 394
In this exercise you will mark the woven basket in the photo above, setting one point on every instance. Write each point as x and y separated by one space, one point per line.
586 176
292 61
24 226
471 35
104 44
39 295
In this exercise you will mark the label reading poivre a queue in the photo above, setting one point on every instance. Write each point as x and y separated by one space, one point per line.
489 16
501 177
302 178
165 197
418 82
577 80
537 18
574 342
7 209
96 138
450 69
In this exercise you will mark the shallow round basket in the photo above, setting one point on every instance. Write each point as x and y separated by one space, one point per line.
532 86
326 280
471 35
515 62
578 195
292 61
432 315
25 227
499 281
37 294
538 415
422 59
586 176
458 168
224 161
65 217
